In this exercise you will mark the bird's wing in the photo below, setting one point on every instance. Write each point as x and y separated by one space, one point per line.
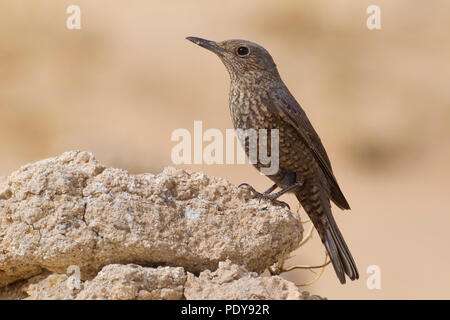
290 111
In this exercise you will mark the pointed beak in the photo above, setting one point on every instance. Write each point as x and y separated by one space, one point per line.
207 44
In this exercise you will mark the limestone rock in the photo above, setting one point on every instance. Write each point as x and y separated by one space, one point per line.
14 291
113 282
133 282
72 211
233 282
51 287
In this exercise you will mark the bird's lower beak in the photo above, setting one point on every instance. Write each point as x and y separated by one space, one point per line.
207 44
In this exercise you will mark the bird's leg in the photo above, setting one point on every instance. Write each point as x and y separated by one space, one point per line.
274 196
268 191
265 195
278 194
288 178
256 194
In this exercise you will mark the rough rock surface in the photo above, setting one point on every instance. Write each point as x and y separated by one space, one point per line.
72 211
233 282
135 282
113 282
125 282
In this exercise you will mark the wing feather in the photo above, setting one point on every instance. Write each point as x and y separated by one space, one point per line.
291 112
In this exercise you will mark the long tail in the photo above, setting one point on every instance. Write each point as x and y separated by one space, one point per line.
320 214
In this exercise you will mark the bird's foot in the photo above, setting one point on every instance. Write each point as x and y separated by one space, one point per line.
273 199
265 195
255 194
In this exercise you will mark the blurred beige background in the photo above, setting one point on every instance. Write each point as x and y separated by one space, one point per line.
379 99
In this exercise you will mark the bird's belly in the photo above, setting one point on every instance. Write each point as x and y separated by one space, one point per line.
252 117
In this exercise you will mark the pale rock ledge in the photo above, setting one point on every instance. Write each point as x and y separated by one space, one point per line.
72 211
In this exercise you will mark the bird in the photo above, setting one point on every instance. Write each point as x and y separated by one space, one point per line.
259 99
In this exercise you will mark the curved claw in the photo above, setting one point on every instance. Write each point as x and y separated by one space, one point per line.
261 196
273 200
282 203
265 195
255 193
247 186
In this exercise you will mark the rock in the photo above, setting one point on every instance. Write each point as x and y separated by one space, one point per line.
113 282
133 282
13 291
50 287
73 211
233 282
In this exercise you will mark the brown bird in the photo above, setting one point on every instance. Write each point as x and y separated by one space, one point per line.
260 100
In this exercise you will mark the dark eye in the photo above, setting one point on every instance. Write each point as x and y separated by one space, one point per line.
242 51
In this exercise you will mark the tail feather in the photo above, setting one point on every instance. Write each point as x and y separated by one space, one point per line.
317 205
333 252
334 242
340 255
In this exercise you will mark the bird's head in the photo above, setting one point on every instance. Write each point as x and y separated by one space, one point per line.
243 59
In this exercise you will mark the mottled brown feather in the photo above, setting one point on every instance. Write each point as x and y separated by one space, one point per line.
290 111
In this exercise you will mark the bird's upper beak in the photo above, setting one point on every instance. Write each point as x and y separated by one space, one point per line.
207 44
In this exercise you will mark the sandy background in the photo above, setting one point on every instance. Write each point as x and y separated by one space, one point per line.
380 100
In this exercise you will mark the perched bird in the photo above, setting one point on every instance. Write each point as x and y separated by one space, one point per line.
260 100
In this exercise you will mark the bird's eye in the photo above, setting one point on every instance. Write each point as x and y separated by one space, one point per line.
242 51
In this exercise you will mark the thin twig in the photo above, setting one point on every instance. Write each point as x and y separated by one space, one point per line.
308 236
318 276
280 265
307 267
